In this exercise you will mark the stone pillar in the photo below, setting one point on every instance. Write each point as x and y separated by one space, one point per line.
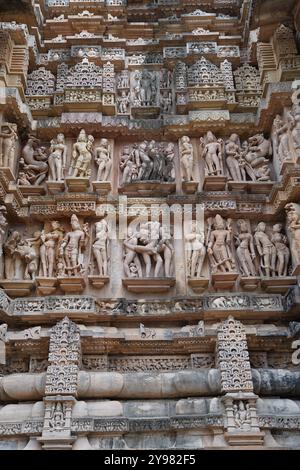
61 385
236 383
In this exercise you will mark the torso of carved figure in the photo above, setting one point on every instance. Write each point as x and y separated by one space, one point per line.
232 149
244 240
73 240
80 148
212 148
197 243
220 237
52 238
58 150
263 238
103 154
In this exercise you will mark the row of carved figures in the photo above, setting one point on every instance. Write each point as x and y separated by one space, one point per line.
247 161
230 246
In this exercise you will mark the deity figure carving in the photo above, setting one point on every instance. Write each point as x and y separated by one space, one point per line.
8 139
123 102
152 242
3 227
82 156
72 247
49 249
144 89
57 419
101 247
282 255
211 150
186 153
245 249
242 415
257 150
166 101
281 132
57 158
33 162
103 160
293 226
148 161
219 247
266 250
195 250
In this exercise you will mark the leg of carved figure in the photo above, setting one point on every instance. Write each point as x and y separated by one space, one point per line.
51 176
209 164
147 261
40 179
107 170
8 267
167 261
267 260
43 261
100 170
129 257
220 259
1 151
59 170
242 259
216 161
194 261
286 261
51 261
18 268
137 262
6 151
280 263
250 264
158 265
200 262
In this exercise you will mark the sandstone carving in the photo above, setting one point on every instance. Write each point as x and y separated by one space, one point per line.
8 139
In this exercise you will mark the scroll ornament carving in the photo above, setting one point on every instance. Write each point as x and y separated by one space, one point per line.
233 357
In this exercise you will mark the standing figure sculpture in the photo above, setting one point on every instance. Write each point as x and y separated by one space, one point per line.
233 157
186 153
195 250
3 226
8 139
72 246
34 161
103 160
132 264
245 250
49 248
12 257
219 246
82 155
266 250
212 152
101 247
295 127
282 255
57 159
281 133
293 226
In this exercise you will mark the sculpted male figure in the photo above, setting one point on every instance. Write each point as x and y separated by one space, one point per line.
72 246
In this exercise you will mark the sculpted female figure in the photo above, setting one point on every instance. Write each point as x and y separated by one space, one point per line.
166 248
293 225
3 226
266 250
296 127
49 248
212 153
282 138
82 155
8 139
103 160
195 249
282 256
186 158
219 246
57 158
233 156
100 247
245 250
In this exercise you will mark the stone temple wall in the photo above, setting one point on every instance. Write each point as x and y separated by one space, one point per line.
149 225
